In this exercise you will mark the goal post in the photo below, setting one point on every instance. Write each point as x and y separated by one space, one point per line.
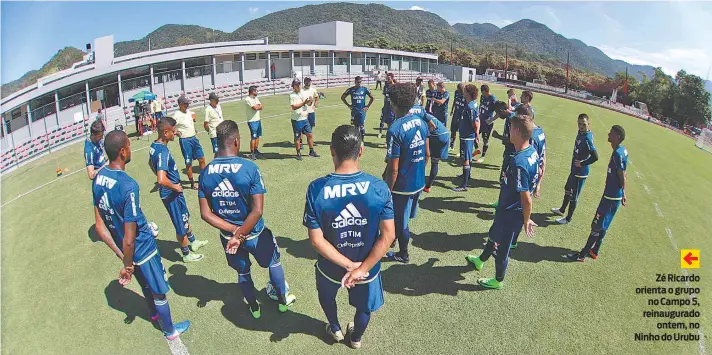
704 141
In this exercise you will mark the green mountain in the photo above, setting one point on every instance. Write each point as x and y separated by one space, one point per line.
477 30
168 36
62 60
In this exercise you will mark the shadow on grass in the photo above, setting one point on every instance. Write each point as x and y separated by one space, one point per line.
533 253
473 183
544 219
93 235
128 302
273 156
297 248
458 204
194 168
167 249
443 242
425 279
283 144
235 309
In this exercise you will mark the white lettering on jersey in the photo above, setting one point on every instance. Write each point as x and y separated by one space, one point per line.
417 141
349 216
343 190
105 181
412 124
133 204
223 168
225 189
533 158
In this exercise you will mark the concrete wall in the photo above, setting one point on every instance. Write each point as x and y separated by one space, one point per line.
338 69
103 51
67 116
198 82
254 75
330 33
38 127
227 78
21 135
283 67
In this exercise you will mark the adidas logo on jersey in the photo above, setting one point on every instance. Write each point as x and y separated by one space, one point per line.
225 189
349 216
102 180
344 190
223 168
104 203
417 141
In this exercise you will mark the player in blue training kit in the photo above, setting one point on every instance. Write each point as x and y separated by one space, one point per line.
358 104
438 142
407 145
440 103
231 194
515 203
614 195
161 162
118 207
584 155
486 115
458 107
430 95
94 149
349 216
469 126
538 141
387 115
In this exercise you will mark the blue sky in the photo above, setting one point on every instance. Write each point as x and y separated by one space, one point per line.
673 35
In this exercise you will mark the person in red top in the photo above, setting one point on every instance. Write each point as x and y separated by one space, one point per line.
273 70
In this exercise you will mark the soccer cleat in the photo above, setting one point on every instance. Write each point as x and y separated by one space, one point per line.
476 153
399 257
475 261
562 220
426 189
255 314
197 244
575 257
299 156
313 154
491 283
380 135
337 335
192 257
349 331
513 246
557 211
154 317
593 255
180 328
459 188
494 204
452 148
253 156
480 160
290 298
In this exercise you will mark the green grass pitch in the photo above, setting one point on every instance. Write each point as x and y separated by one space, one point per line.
60 294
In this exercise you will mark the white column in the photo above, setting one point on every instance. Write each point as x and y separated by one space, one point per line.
242 67
182 77
313 66
215 72
269 65
121 93
56 102
363 65
150 81
29 118
291 59
348 68
333 61
378 60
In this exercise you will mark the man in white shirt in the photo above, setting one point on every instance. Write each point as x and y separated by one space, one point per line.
213 117
310 91
379 80
299 103
253 107
189 144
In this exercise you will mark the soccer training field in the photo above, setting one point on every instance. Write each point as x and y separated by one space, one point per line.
59 281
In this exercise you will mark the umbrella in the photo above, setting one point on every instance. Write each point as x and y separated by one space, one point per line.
143 95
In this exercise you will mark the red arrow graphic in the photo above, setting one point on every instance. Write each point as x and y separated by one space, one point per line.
689 258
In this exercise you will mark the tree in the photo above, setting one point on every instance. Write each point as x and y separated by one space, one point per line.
691 99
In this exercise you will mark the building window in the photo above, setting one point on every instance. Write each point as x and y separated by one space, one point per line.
263 56
306 54
251 56
284 55
297 55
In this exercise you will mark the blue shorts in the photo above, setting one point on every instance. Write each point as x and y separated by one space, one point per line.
158 115
255 129
604 214
365 297
358 117
467 147
573 187
214 143
301 127
152 274
263 248
439 145
442 117
387 115
191 149
456 116
178 210
405 208
311 117
506 227
485 130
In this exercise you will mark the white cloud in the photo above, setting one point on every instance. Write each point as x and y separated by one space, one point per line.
253 10
505 22
415 7
693 60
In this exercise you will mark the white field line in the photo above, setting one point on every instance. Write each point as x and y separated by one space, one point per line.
177 347
646 188
658 210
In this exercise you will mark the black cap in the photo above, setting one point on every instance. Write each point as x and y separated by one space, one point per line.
213 96
182 100
419 79
307 80
358 78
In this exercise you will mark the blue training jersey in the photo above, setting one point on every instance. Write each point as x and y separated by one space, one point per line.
358 97
419 111
508 146
459 102
228 183
538 140
618 162
440 110
429 96
406 141
94 153
521 174
486 107
583 148
348 209
116 196
469 117
159 158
